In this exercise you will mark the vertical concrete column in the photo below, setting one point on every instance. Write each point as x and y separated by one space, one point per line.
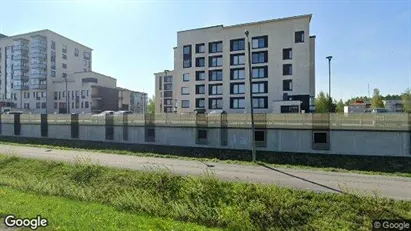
223 129
109 127
17 125
125 127
149 128
74 126
44 125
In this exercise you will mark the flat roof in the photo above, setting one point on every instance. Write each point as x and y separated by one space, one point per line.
39 31
81 72
252 23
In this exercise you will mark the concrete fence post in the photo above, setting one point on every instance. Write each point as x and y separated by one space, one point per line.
74 126
17 124
125 127
44 125
109 127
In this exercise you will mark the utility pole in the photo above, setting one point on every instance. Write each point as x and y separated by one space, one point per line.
253 151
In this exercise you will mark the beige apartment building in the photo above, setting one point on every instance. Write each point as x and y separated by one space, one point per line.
165 92
211 68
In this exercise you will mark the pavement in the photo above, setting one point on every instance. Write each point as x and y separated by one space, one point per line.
321 181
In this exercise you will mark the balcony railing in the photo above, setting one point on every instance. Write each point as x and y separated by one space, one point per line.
39 65
39 75
38 86
21 47
20 57
18 67
21 87
20 77
40 55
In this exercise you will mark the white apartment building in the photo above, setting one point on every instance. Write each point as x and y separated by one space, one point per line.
30 63
165 92
211 68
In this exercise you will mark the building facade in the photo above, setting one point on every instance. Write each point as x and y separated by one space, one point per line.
132 101
165 86
31 62
211 68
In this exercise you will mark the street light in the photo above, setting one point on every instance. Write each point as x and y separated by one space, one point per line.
253 152
329 82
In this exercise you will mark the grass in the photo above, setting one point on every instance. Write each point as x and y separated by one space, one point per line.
67 214
204 200
144 154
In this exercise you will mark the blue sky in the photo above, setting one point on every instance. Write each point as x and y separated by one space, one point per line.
369 40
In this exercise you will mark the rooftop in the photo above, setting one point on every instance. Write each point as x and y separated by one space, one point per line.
252 23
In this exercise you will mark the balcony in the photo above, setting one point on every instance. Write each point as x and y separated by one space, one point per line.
20 67
38 76
39 54
21 87
21 47
39 43
39 65
21 57
38 86
20 77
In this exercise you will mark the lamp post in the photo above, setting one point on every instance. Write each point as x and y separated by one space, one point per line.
329 82
253 151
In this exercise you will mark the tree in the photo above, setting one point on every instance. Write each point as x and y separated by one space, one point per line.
406 100
151 107
376 101
322 103
339 106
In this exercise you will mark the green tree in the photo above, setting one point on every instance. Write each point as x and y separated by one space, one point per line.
151 107
376 101
322 103
339 106
406 100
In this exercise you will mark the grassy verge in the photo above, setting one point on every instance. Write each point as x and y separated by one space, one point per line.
145 154
66 214
204 200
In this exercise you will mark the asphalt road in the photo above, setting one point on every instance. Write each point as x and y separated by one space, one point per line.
387 186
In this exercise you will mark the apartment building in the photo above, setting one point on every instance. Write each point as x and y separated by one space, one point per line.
132 100
165 101
31 62
211 68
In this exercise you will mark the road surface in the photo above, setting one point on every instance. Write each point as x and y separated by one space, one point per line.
321 181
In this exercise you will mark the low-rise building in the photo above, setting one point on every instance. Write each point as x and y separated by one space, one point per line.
393 105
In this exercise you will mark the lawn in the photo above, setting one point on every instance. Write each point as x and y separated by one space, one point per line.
67 214
204 200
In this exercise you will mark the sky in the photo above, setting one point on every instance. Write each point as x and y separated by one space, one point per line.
370 41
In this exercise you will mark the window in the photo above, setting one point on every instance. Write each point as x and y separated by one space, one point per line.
200 89
259 72
320 138
237 59
53 73
287 69
260 42
53 45
87 92
260 87
200 103
81 105
86 104
215 47
187 56
87 55
236 74
185 91
299 37
26 105
237 88
55 105
215 75
72 104
215 89
186 77
259 138
168 94
200 62
59 95
38 105
64 48
290 109
200 48
287 53
159 83
64 94
215 61
185 103
150 134
64 75
64 65
168 87
237 103
215 103
287 85
200 75
260 102
259 57
187 49
64 56
237 45
202 134
76 52
168 79
55 95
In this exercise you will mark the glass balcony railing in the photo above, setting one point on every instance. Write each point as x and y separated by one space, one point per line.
20 77
38 86
39 65
39 55
21 47
20 57
20 67
21 87
39 75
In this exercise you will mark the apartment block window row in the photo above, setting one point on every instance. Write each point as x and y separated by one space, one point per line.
237 59
200 103
185 91
237 74
260 87
215 61
260 42
237 88
200 48
287 53
215 89
260 102
187 56
287 69
215 47
215 103
259 72
259 57
237 102
200 89
237 45
287 85
200 75
186 77
215 75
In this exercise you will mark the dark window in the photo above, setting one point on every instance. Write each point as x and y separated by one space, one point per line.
237 59
64 56
186 77
81 106
185 91
86 55
287 69
168 87
259 136
185 103
237 73
200 48
237 45
37 105
151 134
159 83
168 102
237 88
200 75
53 45
215 75
299 36
215 47
200 103
186 63
168 93
168 79
287 53
187 56
200 89
260 57
215 103
260 72
64 66
215 89
287 85
76 52
260 42
260 87
200 62
64 75
202 134
260 102
55 95
320 137
55 105
85 104
237 103
59 95
290 109
215 61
